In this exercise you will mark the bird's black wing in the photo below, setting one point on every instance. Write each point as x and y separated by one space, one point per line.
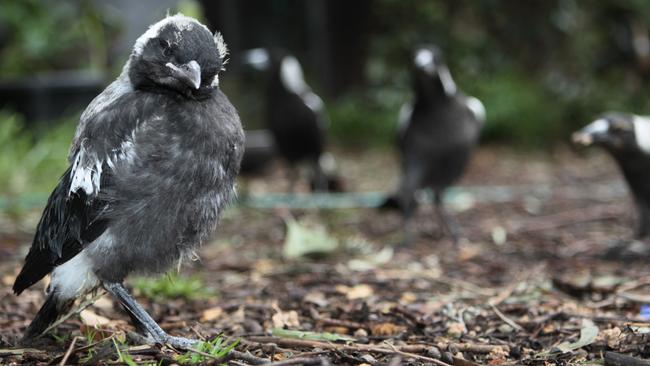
73 216
70 221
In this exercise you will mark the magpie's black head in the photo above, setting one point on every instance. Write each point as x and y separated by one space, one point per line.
617 132
265 59
431 73
283 68
178 54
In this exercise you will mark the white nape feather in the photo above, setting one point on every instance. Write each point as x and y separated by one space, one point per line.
86 173
642 132
292 77
221 46
598 126
74 277
448 83
313 101
423 58
476 107
404 117
181 22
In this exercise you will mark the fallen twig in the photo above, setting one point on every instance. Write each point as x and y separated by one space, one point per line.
76 311
68 352
298 361
408 349
507 320
617 359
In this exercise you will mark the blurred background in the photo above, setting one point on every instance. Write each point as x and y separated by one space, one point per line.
542 68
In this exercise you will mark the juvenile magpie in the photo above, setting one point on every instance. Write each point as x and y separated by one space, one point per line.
152 166
295 115
436 134
627 138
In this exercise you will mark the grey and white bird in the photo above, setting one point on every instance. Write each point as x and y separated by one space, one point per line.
436 134
627 138
152 166
295 115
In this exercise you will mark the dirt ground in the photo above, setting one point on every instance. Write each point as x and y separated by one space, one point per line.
548 274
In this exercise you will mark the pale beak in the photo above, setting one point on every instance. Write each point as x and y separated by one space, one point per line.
189 73
582 138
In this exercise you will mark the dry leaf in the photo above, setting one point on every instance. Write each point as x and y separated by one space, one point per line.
408 298
282 319
211 314
386 329
497 356
468 252
8 280
357 292
104 303
91 319
317 298
338 330
611 337
456 329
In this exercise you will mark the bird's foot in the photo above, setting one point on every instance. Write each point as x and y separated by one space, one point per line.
180 342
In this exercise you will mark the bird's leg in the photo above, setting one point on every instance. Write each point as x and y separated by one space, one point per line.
144 320
409 207
319 178
643 222
447 223
292 175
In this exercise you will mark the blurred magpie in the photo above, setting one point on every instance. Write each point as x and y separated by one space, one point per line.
295 115
436 134
152 166
627 138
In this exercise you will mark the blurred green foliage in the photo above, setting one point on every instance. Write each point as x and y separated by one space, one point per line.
39 35
30 164
172 286
542 68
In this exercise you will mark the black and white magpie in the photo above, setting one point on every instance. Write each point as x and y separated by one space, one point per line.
295 115
627 138
153 165
436 134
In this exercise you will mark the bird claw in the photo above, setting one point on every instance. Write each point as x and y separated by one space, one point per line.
180 342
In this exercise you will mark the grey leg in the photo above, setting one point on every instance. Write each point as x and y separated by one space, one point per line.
293 176
319 178
144 320
447 222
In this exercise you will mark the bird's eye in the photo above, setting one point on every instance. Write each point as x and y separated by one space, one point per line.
165 46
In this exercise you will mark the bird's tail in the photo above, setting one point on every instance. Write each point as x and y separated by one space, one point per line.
47 315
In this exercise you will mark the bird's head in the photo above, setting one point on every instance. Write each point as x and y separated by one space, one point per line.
431 70
264 59
616 132
281 66
178 54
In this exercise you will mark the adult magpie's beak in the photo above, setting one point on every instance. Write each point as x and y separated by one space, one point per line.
597 131
258 58
189 73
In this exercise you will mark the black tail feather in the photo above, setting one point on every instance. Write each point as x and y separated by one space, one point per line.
47 315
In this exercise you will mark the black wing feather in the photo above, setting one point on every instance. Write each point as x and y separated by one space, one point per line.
69 222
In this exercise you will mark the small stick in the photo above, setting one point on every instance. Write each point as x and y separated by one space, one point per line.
416 356
463 347
232 355
77 311
297 361
68 352
617 359
507 320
